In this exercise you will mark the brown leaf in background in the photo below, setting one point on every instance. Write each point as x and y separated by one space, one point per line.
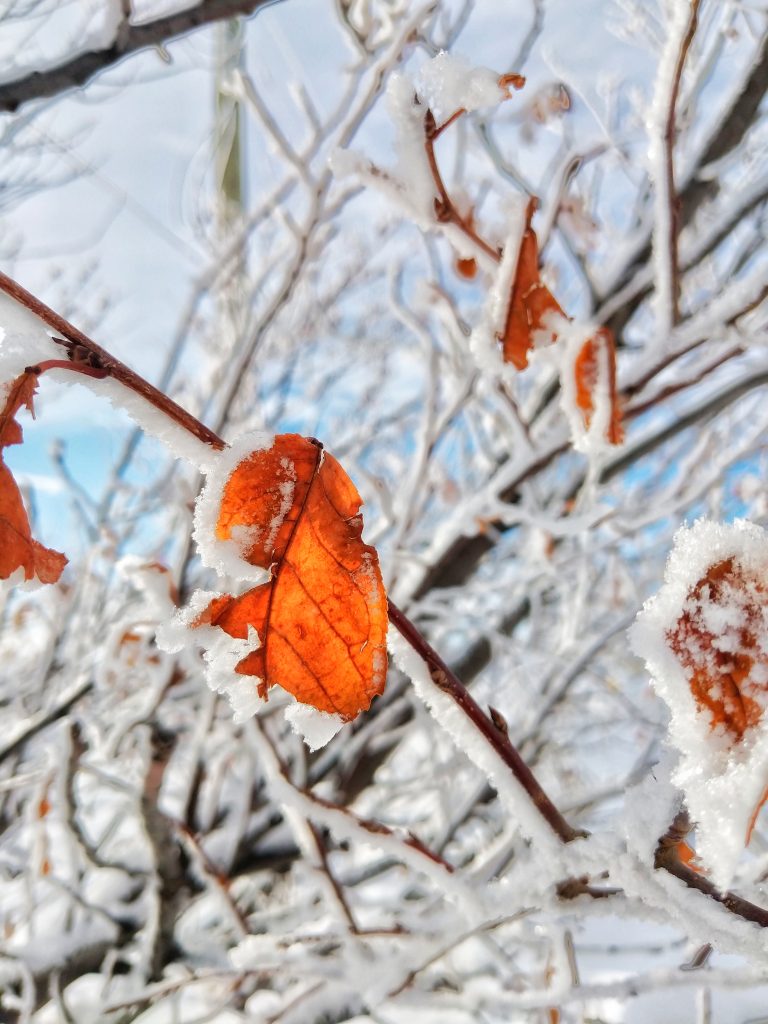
530 302
587 373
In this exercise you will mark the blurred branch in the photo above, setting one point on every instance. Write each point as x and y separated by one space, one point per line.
129 39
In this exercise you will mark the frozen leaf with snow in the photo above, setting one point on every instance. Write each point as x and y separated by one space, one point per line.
595 377
317 627
705 640
18 549
530 302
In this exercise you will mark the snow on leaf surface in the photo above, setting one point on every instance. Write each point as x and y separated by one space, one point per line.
320 621
18 549
704 637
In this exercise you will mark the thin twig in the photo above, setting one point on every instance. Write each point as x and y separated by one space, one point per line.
445 211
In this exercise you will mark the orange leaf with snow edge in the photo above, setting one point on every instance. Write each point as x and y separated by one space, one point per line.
727 670
587 374
18 549
530 302
322 618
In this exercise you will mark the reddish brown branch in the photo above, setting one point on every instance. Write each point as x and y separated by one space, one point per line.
84 352
86 357
496 737
667 859
445 211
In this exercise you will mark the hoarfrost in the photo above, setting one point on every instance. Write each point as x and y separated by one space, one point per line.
315 727
650 808
412 169
226 556
449 82
483 341
221 654
722 774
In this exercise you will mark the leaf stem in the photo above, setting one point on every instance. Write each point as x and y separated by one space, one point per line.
445 210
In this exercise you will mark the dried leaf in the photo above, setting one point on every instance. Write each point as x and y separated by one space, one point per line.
322 619
511 80
727 670
17 547
530 303
587 373
21 393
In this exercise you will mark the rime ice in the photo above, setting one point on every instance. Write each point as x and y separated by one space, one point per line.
704 638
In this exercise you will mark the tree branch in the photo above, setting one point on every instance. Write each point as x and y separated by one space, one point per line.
129 39
86 357
493 730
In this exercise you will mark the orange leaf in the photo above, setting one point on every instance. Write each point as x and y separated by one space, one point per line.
322 619
725 673
17 547
687 855
587 373
530 302
21 393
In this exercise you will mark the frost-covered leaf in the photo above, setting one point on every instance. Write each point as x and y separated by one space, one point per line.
530 302
704 637
595 377
18 549
321 620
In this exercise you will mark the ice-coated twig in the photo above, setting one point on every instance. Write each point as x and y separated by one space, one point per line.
496 738
89 358
680 30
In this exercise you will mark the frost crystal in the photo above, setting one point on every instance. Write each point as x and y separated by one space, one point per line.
704 638
447 83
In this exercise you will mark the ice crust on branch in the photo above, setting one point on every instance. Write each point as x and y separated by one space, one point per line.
474 745
24 339
154 422
704 638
